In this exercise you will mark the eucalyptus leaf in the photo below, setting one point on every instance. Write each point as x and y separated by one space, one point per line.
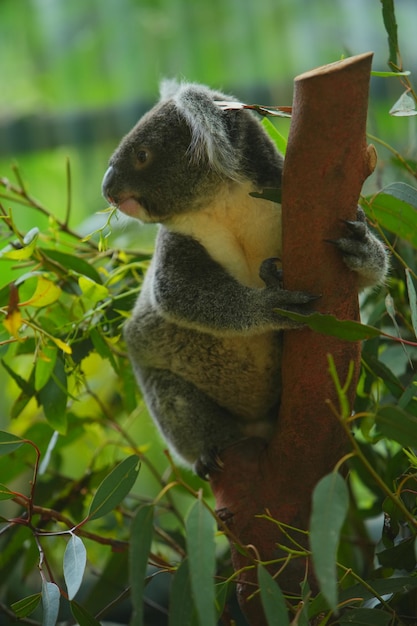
199 526
366 617
75 559
330 506
412 298
9 443
50 603
273 601
182 611
140 544
330 325
395 423
278 139
395 214
53 397
5 493
390 23
402 191
74 263
115 487
26 606
82 616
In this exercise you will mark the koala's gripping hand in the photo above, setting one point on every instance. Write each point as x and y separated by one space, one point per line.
193 290
363 252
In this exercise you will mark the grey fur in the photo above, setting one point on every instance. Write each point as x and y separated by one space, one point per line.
204 339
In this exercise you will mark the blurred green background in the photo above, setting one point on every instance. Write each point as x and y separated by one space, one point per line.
75 75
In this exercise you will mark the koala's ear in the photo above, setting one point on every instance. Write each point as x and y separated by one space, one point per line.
209 125
168 88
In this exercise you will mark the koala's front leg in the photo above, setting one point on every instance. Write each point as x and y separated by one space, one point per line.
196 428
363 252
189 288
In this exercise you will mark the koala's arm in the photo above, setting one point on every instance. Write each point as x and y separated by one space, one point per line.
192 290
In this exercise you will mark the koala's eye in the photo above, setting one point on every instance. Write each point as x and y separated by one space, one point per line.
142 156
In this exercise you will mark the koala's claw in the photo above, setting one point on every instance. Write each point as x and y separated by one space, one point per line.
362 251
270 273
208 463
358 229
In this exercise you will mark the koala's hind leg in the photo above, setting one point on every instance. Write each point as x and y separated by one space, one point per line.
194 425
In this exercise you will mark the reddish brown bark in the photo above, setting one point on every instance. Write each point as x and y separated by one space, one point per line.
326 164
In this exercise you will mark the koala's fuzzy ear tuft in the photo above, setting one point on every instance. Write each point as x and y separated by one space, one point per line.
168 88
209 125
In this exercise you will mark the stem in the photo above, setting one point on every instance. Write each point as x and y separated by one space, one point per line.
384 488
395 153
69 193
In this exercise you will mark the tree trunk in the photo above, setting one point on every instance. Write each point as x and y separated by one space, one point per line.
326 164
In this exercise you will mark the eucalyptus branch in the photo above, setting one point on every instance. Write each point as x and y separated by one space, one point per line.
23 197
376 477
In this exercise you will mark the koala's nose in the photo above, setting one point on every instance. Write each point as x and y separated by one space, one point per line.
108 180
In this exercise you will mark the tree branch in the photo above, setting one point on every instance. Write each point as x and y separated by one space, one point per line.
326 164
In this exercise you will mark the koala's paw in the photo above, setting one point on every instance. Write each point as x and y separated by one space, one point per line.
270 273
279 298
363 252
208 463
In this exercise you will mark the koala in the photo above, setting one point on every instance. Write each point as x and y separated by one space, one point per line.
204 337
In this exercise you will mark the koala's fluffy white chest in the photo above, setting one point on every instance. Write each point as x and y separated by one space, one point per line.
237 230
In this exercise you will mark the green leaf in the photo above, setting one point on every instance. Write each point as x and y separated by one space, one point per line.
366 617
374 590
330 325
92 290
412 299
271 194
100 344
390 23
5 493
399 557
181 606
9 443
50 603
26 606
114 487
272 598
222 594
395 214
46 292
278 139
53 397
75 559
199 526
394 423
82 616
329 509
402 191
379 587
74 263
24 385
140 545
44 365
18 251
388 74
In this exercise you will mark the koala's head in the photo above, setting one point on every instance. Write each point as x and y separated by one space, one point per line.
176 157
